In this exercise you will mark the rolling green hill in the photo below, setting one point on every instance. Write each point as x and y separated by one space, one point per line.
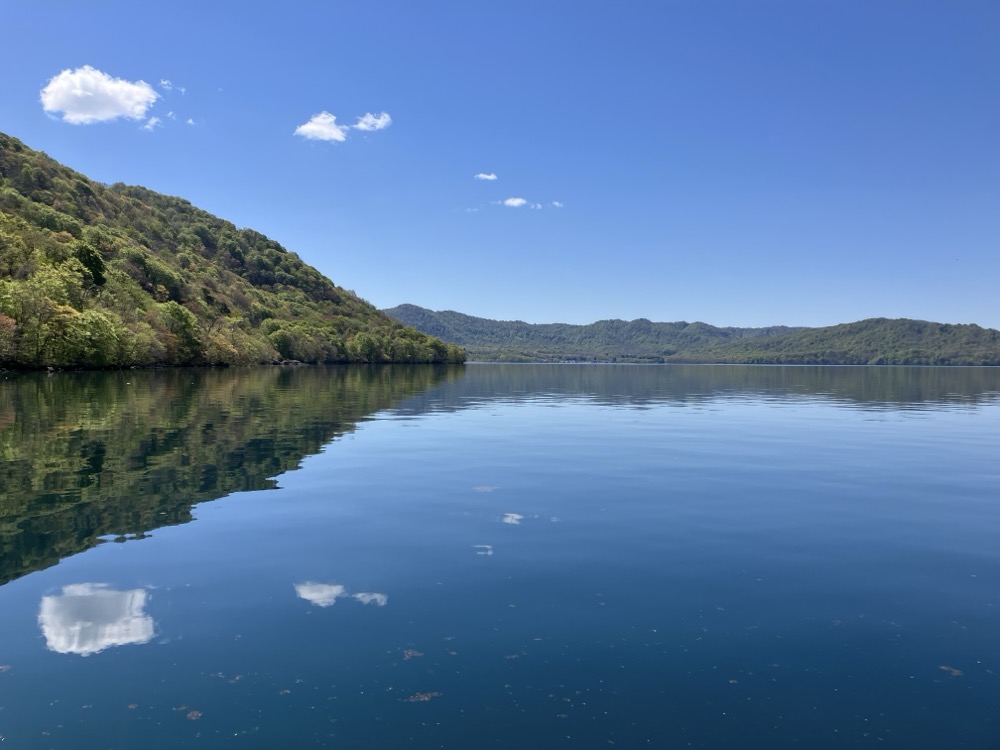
875 341
98 276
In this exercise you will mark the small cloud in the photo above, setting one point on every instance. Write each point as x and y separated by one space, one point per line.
379 600
322 127
515 202
189 121
557 204
152 123
171 115
512 518
87 95
371 122
472 210
320 594
535 206
485 176
166 85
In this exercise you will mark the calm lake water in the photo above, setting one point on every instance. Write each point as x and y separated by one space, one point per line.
501 556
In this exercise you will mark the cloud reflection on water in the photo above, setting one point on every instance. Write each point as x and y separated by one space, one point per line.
366 597
320 594
326 594
87 618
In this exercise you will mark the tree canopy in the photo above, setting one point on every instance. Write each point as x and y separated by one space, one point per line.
98 276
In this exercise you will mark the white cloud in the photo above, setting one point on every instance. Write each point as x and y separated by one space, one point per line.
322 127
535 206
515 202
320 594
373 122
379 600
90 617
190 121
471 210
512 518
557 204
168 85
485 176
87 95
152 123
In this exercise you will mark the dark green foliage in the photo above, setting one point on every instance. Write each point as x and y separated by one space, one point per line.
119 276
878 341
97 454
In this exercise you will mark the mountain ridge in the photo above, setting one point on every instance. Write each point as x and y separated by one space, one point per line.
873 341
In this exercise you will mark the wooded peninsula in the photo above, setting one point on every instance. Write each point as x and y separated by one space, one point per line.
108 276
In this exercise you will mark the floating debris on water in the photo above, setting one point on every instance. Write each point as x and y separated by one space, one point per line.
411 653
193 715
483 549
952 672
512 518
422 697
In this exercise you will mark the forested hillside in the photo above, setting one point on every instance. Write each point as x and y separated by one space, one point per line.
97 276
876 341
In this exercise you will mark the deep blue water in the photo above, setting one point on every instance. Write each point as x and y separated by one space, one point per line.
505 556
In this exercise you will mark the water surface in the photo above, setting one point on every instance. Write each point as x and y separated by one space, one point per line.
501 555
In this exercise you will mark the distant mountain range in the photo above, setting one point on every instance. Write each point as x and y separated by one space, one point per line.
875 341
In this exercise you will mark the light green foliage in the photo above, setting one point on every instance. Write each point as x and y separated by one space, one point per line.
97 276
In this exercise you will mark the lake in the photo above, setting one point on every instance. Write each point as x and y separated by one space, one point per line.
578 556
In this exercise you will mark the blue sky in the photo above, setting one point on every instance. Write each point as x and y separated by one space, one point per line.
740 162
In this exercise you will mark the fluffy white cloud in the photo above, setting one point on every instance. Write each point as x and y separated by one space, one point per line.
373 122
322 127
87 95
320 594
190 121
152 122
87 618
515 202
486 176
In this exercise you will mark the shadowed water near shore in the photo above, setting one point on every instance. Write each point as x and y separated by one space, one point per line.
90 457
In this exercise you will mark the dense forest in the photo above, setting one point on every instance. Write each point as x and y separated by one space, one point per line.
878 341
98 276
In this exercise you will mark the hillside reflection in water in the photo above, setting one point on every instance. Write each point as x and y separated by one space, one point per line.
554 556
